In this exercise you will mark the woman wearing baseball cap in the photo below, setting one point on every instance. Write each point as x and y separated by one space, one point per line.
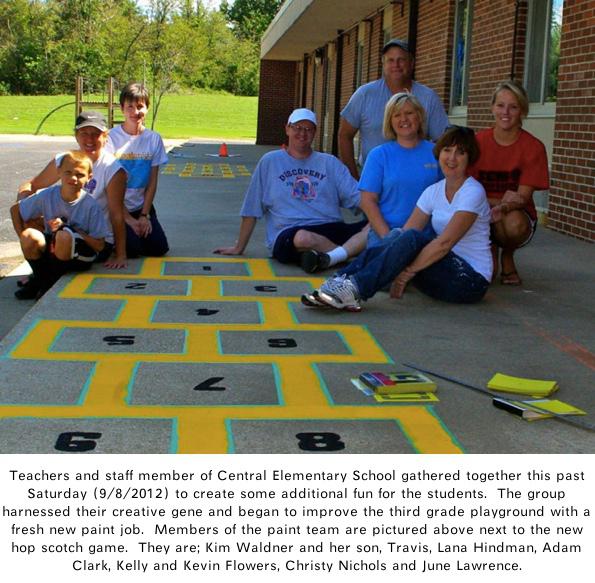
107 186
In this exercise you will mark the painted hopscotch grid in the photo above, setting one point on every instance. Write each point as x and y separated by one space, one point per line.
215 383
196 170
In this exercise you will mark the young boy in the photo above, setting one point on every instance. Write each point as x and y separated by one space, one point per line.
75 227
141 152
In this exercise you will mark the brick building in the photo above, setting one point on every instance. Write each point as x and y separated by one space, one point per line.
316 53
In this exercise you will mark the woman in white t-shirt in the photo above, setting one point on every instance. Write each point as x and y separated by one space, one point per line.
454 266
107 185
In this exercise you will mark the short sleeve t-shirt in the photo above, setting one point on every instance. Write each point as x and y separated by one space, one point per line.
83 213
138 155
365 112
398 176
502 168
474 246
290 192
104 169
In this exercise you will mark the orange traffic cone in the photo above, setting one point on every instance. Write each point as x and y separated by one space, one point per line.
223 151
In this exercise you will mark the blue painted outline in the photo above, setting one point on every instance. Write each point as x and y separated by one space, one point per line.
82 395
293 313
86 290
130 385
342 337
323 385
10 350
260 312
183 352
276 380
173 427
432 411
272 267
87 385
175 436
278 384
324 420
221 290
153 310
188 287
123 306
301 354
57 337
386 355
231 444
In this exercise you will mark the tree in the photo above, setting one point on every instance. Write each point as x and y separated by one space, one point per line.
250 18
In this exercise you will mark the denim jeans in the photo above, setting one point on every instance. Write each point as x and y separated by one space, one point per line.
450 279
154 245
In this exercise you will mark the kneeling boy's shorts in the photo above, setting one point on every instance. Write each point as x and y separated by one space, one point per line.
79 250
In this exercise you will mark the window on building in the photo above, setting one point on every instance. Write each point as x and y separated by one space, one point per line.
461 50
543 50
359 64
387 24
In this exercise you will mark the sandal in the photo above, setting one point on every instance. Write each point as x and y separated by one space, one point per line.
510 278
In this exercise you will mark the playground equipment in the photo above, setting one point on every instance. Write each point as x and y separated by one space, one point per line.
86 98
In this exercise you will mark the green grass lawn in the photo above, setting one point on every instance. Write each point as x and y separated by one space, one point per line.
180 116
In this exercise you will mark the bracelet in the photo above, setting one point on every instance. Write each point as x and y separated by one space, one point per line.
144 215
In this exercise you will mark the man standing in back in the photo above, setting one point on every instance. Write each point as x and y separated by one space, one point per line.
365 110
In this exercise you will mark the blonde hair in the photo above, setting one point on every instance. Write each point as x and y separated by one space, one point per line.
394 105
517 90
77 157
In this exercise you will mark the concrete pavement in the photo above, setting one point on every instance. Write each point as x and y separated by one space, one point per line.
199 353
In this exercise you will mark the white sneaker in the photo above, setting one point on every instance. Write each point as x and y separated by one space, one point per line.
312 300
340 293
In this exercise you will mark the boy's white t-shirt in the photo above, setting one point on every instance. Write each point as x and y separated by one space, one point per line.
138 154
474 246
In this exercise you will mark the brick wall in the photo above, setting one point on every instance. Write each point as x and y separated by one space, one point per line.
491 56
318 71
374 47
400 21
276 100
572 192
349 40
434 46
329 99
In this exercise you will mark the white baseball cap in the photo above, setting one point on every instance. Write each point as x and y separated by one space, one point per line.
302 114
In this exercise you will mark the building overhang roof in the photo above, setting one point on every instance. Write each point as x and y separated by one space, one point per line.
301 26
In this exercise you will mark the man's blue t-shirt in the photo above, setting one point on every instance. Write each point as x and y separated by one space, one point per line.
398 176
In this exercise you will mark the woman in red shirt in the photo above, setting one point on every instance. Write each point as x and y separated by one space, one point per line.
512 165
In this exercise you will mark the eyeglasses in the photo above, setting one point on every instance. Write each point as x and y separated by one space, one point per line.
304 129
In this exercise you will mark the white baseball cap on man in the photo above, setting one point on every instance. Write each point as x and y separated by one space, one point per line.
302 114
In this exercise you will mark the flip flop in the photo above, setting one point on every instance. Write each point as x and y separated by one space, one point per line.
510 278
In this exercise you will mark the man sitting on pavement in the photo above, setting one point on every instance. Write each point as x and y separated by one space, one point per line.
300 194
365 110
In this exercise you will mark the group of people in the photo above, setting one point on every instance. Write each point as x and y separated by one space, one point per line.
102 209
445 208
